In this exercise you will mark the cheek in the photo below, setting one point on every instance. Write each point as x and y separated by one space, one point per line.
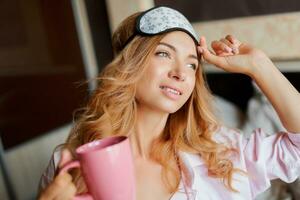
192 83
190 89
150 79
155 72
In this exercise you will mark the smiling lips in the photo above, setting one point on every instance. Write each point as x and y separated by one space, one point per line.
171 92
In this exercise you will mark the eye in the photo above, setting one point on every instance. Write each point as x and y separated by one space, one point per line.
193 66
163 54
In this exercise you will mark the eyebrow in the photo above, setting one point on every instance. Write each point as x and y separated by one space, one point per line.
174 49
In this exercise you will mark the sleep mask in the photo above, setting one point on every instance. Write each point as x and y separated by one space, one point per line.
160 20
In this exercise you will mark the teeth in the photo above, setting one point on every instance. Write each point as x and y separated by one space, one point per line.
170 90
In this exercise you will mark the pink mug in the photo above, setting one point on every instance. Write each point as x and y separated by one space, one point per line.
108 169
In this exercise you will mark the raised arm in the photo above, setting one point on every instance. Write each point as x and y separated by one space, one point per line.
233 56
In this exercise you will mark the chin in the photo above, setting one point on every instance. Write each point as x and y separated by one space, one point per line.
170 108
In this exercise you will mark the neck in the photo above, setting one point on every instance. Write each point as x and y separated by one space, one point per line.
149 125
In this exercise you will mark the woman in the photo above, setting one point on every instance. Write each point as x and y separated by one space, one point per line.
154 92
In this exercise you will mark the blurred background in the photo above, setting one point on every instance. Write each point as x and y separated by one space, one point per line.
50 48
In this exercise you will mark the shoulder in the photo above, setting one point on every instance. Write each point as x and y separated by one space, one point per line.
222 135
228 136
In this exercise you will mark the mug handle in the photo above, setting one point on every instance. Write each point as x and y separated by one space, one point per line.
72 165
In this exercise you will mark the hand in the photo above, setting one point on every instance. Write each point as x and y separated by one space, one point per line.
233 56
62 186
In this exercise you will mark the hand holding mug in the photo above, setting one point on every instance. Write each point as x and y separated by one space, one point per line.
62 186
107 167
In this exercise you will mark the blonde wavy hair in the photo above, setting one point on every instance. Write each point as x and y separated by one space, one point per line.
112 110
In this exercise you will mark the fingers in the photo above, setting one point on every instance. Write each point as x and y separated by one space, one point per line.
228 54
226 46
61 188
233 48
233 40
202 44
209 56
69 192
236 44
221 47
66 157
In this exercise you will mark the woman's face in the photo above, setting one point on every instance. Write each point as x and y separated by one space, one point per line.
169 78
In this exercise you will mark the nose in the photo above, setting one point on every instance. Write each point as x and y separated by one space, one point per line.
177 74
